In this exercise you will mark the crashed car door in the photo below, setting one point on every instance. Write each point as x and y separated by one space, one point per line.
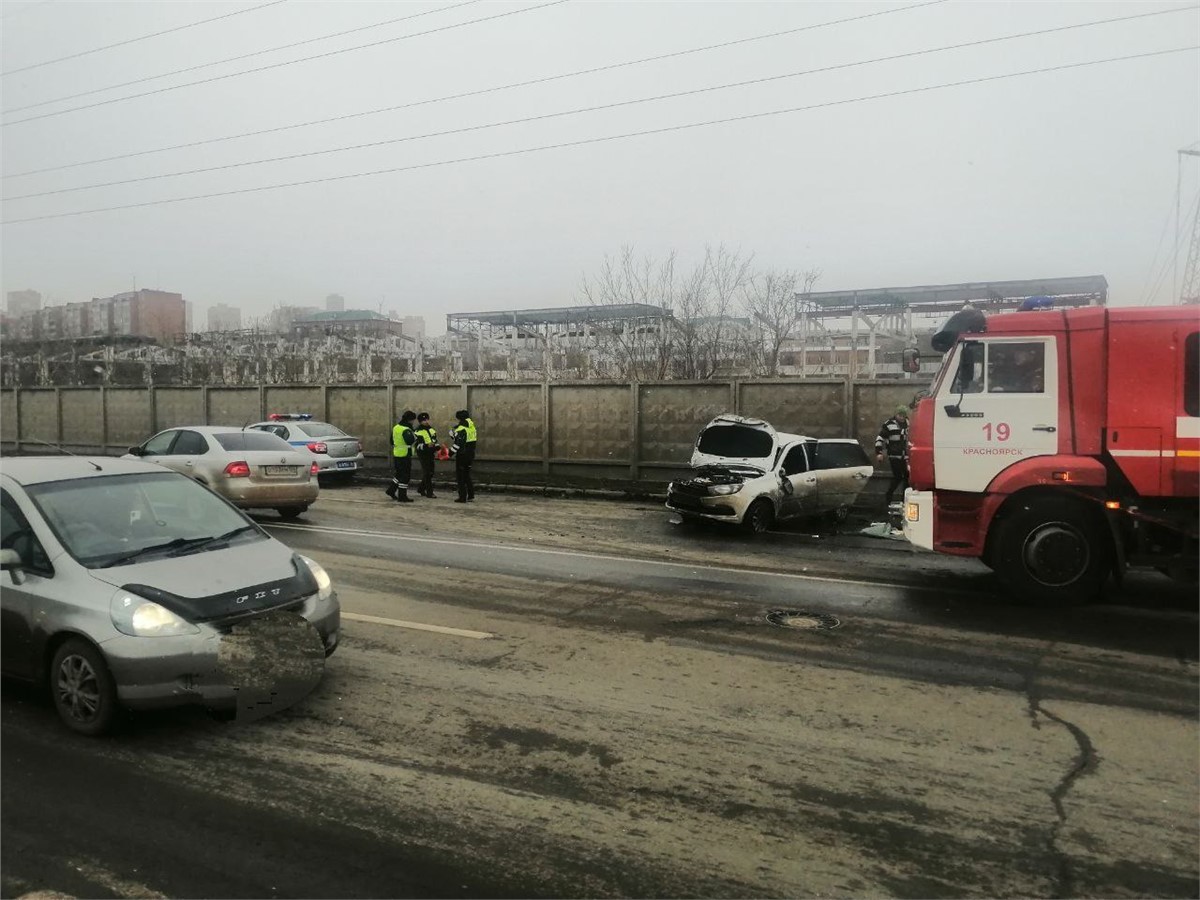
798 483
842 471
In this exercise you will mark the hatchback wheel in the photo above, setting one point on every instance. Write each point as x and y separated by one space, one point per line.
759 517
82 688
291 512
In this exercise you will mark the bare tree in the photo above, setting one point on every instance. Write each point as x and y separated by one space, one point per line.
707 334
773 300
635 341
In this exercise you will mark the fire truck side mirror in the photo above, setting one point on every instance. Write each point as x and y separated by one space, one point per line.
910 360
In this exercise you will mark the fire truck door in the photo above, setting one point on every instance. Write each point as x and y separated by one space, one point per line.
1000 406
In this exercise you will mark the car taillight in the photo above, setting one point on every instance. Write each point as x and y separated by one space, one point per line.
318 447
314 470
238 469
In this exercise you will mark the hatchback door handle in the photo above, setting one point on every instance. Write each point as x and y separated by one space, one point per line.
1049 428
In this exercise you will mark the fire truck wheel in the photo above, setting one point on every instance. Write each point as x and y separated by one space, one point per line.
1051 551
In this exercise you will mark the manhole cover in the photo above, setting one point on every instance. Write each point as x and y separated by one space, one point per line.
796 618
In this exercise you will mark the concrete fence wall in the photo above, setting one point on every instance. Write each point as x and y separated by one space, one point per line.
587 432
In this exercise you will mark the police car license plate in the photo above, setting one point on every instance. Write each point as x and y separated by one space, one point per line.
279 471
349 464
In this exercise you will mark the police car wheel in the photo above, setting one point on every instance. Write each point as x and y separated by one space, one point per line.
1051 551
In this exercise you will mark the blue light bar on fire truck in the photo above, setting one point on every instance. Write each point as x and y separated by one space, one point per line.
290 417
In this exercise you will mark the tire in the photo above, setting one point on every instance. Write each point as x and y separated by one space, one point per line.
291 512
82 688
1051 552
759 517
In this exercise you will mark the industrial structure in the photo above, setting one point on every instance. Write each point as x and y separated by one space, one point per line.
861 333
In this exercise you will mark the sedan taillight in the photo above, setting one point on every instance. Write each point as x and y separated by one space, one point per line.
314 470
239 469
318 447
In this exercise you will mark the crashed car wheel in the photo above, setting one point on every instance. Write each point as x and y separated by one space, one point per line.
759 517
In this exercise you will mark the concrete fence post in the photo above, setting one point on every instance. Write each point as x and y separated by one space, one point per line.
546 425
17 415
103 420
58 415
154 410
635 431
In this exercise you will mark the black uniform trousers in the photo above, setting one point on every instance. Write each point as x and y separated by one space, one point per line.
899 476
402 470
463 460
427 464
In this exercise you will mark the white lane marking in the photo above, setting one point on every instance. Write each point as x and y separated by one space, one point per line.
727 570
119 887
419 626
325 499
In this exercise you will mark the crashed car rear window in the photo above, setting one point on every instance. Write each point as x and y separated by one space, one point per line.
736 441
252 440
320 429
840 456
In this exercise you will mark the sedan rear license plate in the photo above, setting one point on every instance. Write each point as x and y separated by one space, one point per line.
279 471
346 465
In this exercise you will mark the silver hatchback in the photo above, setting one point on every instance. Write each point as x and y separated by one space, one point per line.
127 585
251 469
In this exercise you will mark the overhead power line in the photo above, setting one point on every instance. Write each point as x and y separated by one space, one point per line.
221 62
608 138
588 109
475 93
144 37
279 65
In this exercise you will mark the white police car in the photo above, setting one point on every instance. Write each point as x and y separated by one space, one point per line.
334 451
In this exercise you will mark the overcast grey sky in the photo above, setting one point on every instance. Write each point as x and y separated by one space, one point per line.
1066 173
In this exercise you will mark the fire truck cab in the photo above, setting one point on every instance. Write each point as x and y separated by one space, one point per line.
1061 446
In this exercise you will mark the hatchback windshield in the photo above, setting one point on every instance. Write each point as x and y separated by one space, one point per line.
107 520
736 441
252 440
320 429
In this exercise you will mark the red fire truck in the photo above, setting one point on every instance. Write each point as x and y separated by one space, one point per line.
1061 446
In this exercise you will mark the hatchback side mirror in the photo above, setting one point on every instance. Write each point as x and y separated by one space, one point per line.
10 561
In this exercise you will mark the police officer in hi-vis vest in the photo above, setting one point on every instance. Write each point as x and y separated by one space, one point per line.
465 435
427 444
403 439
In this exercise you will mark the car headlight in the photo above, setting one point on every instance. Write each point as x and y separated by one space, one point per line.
139 617
324 582
723 490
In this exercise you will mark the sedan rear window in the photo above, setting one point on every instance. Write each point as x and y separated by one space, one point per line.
320 429
839 456
252 440
736 441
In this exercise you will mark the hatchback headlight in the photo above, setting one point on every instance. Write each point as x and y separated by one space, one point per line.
139 617
324 582
723 490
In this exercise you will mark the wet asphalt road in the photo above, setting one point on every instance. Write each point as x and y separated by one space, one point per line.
608 712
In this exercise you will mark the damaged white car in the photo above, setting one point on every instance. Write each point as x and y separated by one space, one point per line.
748 473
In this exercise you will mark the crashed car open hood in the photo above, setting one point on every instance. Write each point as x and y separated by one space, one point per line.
732 441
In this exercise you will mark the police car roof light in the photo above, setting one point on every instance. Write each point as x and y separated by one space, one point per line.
289 417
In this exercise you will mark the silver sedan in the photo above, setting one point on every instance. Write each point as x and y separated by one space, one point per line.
251 469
